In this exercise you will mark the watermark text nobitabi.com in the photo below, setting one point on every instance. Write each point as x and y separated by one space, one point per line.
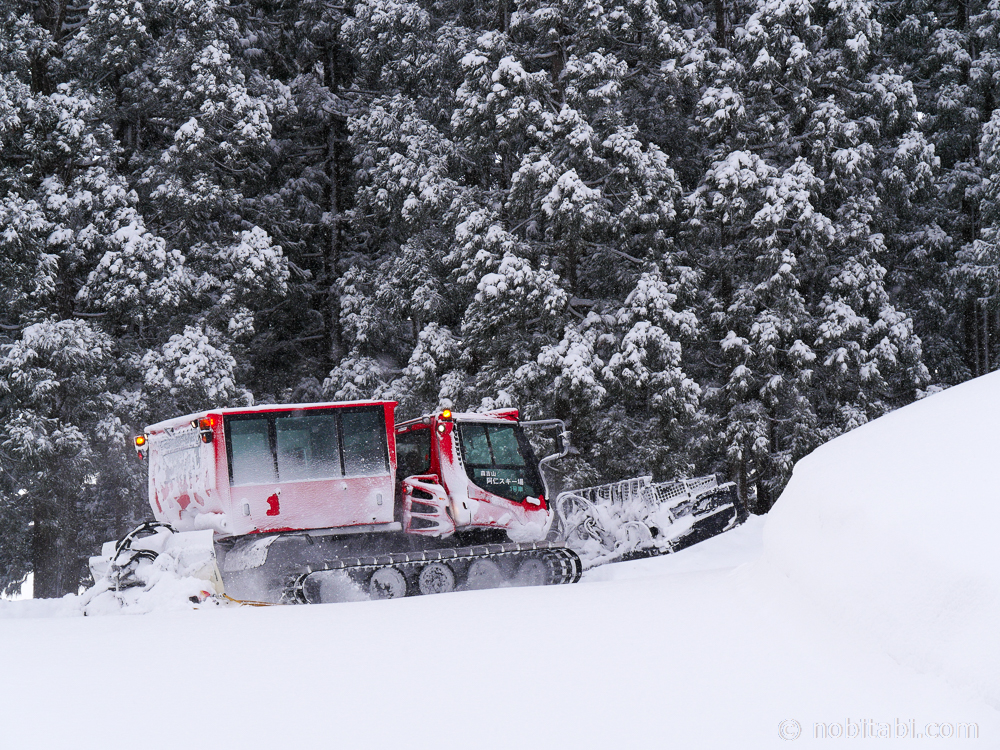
863 729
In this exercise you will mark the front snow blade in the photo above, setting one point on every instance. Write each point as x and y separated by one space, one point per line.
637 518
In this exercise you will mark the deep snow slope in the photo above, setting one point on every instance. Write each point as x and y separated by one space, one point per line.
893 531
684 651
866 602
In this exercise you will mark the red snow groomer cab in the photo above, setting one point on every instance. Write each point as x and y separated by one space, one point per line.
302 498
471 472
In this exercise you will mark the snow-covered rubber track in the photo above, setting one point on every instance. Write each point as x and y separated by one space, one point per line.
563 565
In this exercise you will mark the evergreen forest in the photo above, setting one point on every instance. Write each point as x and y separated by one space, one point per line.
709 235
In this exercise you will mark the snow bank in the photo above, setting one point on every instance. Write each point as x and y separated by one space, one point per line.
892 529
679 651
68 606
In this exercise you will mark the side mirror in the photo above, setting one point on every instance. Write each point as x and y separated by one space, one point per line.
566 446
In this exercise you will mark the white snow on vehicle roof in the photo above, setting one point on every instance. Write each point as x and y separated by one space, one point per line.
174 421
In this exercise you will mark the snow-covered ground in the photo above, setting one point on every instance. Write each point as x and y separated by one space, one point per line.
866 603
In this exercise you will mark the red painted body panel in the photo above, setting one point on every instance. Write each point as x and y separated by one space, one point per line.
317 504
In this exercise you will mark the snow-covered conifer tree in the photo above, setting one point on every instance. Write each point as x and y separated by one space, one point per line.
65 448
791 214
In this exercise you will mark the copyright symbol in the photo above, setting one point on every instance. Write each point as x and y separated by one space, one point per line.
789 729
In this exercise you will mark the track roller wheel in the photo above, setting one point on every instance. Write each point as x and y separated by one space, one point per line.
533 572
387 583
436 578
484 574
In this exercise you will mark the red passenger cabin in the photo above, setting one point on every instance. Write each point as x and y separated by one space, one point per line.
275 468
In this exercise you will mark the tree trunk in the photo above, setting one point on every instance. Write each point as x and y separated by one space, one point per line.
970 325
764 499
46 552
720 23
986 338
332 270
743 482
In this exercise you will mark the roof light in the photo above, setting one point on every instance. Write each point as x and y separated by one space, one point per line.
446 414
205 426
140 446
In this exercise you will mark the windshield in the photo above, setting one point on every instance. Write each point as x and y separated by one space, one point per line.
499 459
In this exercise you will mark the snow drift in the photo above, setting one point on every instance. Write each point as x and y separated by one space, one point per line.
892 529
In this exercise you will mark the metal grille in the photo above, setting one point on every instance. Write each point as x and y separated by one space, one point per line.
616 493
642 489
665 492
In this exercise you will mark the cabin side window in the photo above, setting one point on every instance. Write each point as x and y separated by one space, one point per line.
306 445
365 448
250 458
413 452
